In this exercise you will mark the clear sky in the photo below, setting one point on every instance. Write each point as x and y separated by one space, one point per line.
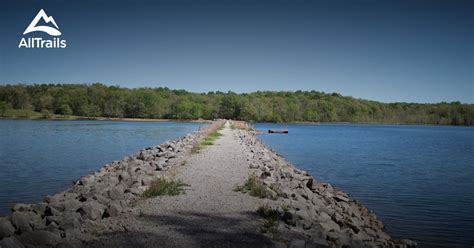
400 50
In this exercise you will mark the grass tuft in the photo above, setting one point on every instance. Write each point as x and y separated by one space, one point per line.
207 141
165 187
254 187
211 138
271 217
196 149
285 208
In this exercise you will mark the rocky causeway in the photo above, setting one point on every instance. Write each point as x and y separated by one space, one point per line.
107 208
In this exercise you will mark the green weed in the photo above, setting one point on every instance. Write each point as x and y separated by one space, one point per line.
165 187
254 187
271 217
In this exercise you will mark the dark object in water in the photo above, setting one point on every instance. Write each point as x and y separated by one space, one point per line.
277 131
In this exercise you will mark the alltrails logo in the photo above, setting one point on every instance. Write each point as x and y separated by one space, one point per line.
38 42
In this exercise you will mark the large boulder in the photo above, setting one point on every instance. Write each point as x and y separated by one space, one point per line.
266 157
51 211
72 205
146 181
87 180
24 221
110 179
170 154
329 226
102 199
53 198
11 242
39 238
21 207
137 189
39 208
323 217
297 243
92 210
124 176
6 228
158 164
341 197
59 206
116 192
69 221
114 209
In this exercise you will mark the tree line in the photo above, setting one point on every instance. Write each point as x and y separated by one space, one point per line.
262 106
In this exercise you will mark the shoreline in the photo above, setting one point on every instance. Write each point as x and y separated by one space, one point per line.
110 201
81 118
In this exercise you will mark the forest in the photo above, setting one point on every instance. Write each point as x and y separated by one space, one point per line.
99 100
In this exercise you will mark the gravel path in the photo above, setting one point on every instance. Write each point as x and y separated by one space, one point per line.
210 214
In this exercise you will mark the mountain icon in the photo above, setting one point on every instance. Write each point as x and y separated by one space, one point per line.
47 19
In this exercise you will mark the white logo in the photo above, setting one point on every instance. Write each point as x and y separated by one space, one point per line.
38 42
49 30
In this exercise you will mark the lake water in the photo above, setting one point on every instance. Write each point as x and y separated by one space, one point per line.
419 180
39 158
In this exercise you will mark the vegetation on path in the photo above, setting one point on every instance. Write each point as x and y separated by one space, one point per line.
211 134
164 187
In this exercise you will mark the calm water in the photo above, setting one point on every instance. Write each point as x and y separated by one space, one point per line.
419 180
38 158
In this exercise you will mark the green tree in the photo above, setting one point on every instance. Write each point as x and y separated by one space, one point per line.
282 106
3 108
64 109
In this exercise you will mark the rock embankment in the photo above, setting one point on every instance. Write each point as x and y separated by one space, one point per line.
88 208
313 214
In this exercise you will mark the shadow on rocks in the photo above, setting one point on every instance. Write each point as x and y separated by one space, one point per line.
189 229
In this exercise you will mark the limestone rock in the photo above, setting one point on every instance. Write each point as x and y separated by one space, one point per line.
124 176
340 197
69 221
11 242
39 208
114 209
6 228
116 192
92 210
72 205
87 180
329 226
21 207
297 243
39 238
23 221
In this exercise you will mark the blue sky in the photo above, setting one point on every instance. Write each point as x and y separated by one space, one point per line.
407 50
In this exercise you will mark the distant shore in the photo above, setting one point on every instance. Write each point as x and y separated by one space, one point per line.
101 118
364 123
33 115
38 116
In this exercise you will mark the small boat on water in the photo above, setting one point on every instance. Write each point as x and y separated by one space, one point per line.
277 131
